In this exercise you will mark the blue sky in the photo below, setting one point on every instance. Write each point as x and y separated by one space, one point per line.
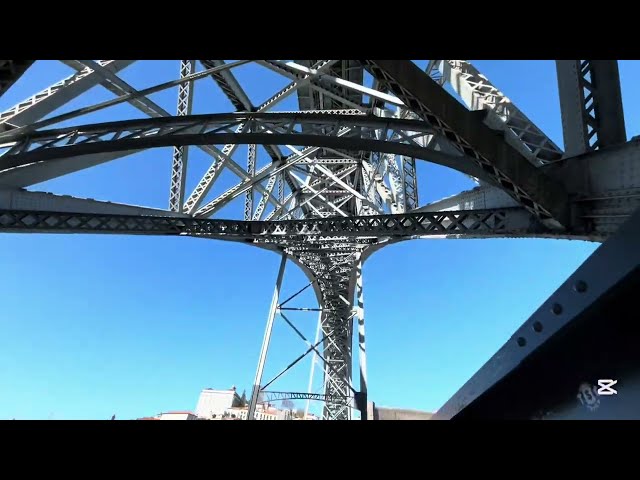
92 326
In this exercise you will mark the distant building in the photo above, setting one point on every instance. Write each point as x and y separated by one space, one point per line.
212 404
180 415
226 405
174 415
263 412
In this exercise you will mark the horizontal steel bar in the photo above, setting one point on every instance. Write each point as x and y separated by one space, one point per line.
217 129
277 396
497 222
304 309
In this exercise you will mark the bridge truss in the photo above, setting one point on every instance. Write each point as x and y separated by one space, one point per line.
341 180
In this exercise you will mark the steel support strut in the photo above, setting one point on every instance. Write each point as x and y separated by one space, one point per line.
466 130
362 353
266 340
314 359
502 222
334 280
478 93
591 105
181 153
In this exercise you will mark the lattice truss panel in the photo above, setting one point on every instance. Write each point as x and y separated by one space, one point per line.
340 174
270 397
333 266
361 142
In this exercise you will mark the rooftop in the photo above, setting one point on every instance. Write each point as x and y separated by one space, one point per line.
212 390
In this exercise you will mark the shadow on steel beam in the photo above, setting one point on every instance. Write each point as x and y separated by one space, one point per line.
578 356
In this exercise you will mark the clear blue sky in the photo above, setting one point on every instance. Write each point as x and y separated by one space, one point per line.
96 325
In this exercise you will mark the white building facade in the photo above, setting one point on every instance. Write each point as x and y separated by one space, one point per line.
178 416
261 413
213 404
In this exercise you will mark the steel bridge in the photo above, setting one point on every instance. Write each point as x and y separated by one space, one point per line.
341 182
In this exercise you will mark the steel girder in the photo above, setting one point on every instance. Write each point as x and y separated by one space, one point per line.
591 105
332 91
20 199
362 396
476 223
269 397
37 173
605 184
401 136
181 153
39 105
334 277
329 130
507 168
314 99
118 87
251 171
238 97
585 331
264 173
229 86
478 93
88 76
185 95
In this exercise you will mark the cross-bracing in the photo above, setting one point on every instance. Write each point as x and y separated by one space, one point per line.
341 180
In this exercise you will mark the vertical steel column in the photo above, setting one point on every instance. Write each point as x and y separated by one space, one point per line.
591 105
313 362
574 123
281 187
266 339
362 353
605 77
181 153
410 183
251 171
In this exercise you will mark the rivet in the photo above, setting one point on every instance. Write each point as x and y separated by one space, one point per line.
580 286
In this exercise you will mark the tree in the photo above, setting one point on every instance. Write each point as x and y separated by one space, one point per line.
300 413
288 404
243 399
